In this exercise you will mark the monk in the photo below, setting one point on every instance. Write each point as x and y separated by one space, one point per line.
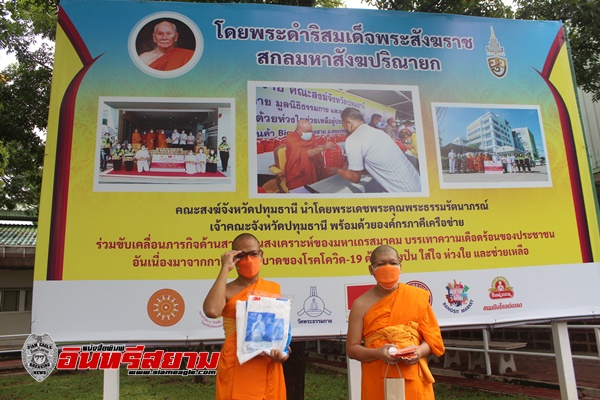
145 138
161 139
303 165
151 140
398 316
166 56
261 377
136 137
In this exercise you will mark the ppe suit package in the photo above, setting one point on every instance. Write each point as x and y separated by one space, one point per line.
262 324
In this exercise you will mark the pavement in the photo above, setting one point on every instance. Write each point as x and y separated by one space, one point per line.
537 174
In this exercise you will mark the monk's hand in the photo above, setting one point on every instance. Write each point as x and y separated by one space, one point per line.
228 259
330 145
278 356
411 356
385 356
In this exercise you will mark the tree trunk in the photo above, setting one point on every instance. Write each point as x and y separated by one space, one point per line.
294 369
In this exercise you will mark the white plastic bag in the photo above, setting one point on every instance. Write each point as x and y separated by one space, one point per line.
262 324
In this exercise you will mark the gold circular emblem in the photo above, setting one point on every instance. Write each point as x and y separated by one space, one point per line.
166 307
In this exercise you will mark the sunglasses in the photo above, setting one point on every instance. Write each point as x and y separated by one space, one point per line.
255 253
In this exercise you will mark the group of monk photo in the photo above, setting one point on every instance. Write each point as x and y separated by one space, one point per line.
161 139
388 154
391 329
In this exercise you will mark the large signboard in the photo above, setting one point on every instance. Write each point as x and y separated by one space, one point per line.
496 216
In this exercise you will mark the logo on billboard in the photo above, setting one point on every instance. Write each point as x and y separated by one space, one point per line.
421 285
496 58
39 355
501 289
457 298
314 306
166 307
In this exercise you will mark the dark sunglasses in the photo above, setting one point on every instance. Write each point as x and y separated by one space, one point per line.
255 253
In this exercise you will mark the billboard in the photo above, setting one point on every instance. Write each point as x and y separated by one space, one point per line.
476 171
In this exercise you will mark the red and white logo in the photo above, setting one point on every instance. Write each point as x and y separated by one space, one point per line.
501 289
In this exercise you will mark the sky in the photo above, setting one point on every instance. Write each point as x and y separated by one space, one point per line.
453 121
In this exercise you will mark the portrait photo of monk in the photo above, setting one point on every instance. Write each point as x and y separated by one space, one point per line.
165 44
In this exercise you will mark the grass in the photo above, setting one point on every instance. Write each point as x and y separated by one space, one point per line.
83 385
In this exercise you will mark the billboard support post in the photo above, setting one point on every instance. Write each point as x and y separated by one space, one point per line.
111 384
564 361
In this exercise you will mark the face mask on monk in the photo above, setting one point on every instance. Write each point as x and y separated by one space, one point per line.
249 266
387 276
306 135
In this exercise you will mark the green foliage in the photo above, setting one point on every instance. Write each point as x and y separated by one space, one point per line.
480 8
82 385
582 20
24 99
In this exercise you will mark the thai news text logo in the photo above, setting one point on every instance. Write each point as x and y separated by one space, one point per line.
137 360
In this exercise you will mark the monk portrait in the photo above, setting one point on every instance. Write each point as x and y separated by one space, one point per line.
166 54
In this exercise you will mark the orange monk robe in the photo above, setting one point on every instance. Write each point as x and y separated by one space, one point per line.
161 140
172 59
402 318
136 137
300 169
256 379
150 139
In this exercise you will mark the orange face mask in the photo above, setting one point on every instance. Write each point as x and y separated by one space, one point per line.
387 276
249 266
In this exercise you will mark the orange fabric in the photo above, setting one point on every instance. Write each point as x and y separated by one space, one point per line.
172 59
404 317
150 139
300 169
136 137
161 141
256 379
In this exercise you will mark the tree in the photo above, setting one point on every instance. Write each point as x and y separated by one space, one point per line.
479 8
582 20
24 99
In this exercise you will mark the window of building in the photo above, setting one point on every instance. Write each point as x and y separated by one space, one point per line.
9 300
28 299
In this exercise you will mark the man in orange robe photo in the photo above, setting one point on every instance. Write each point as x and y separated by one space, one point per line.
161 139
262 376
166 56
136 137
304 164
151 140
398 316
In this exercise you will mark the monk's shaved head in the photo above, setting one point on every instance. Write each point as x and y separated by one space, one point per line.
244 237
166 24
303 126
382 250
